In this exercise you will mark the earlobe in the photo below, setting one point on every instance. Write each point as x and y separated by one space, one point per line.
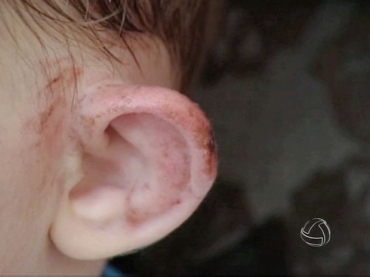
147 160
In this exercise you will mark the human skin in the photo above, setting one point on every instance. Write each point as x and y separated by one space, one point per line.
97 157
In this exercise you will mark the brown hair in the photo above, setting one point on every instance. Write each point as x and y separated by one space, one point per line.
185 26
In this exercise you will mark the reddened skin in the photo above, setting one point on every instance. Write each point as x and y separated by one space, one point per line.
141 159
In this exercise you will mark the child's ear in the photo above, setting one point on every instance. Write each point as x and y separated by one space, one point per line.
147 160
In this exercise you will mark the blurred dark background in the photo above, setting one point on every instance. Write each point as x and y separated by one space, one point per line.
287 88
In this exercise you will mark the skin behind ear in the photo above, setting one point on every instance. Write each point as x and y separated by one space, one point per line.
145 159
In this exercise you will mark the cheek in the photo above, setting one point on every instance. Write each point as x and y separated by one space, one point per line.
29 154
27 173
